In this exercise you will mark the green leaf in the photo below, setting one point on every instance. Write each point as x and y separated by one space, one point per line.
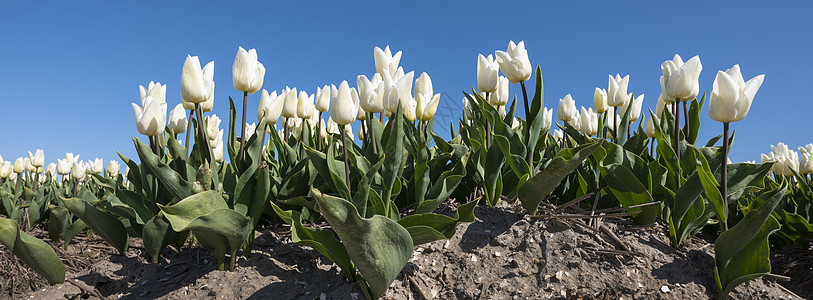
543 183
629 191
169 178
393 143
742 252
443 187
537 109
428 227
156 235
378 246
710 186
104 224
493 176
35 253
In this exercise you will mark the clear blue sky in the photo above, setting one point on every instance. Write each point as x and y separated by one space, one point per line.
69 71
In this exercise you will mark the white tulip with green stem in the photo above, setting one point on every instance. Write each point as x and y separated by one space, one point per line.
680 83
343 110
516 66
385 61
177 120
197 88
304 110
270 109
730 101
617 97
247 76
322 104
566 112
371 100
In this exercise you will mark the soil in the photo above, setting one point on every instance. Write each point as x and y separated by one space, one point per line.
504 254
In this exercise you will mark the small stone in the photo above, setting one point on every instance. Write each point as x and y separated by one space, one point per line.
474 258
640 286
665 289
559 275
354 296
497 254
323 296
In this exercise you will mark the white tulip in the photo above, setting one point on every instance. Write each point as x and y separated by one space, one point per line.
322 102
617 90
650 129
247 73
37 158
63 166
567 109
150 116
270 106
547 118
177 119
731 96
514 62
558 134
78 171
635 111
487 72
385 62
197 85
806 161
290 104
371 95
154 90
343 109
680 80
250 129
426 107
600 100
423 85
96 166
113 168
589 121
218 151
51 169
5 169
500 96
304 107
212 126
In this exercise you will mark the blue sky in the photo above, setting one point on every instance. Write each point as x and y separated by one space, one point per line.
68 72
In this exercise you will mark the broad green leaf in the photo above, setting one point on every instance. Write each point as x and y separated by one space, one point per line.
429 227
493 176
104 224
156 235
443 187
35 253
710 186
537 110
629 191
378 246
543 183
173 181
742 252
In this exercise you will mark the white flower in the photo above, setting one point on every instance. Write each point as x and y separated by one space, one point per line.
514 62
247 72
600 100
371 93
177 119
270 106
487 72
150 116
635 112
344 107
385 62
212 126
322 102
197 85
731 96
500 97
617 91
113 168
37 158
680 80
567 109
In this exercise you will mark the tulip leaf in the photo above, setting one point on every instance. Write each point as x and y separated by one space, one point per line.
322 240
710 186
170 179
156 235
742 252
694 119
629 191
378 246
231 140
361 198
624 127
443 187
35 253
536 120
493 176
104 224
429 227
543 183
393 143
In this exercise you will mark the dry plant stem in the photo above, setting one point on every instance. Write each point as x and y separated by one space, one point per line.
346 166
243 131
562 207
188 129
594 222
676 108
530 158
724 178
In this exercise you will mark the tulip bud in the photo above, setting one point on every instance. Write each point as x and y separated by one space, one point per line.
37 158
635 111
96 166
650 129
371 93
197 85
731 96
250 129
113 168
558 134
617 91
600 100
270 106
487 72
409 109
51 169
63 166
151 116
304 108
680 80
806 159
500 97
514 62
212 126
567 109
19 165
343 109
426 108
177 119
78 171
247 72
290 104
322 99
589 121
423 85
547 118
501 111
385 61
5 169
576 122
154 90
332 127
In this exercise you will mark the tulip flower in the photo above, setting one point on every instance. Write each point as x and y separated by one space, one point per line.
426 106
635 112
730 101
600 100
322 101
304 107
514 62
37 158
589 121
558 134
680 80
547 118
247 72
96 166
617 91
5 169
1 159
500 111
409 109
113 168
78 171
29 166
150 116
177 119
567 109
63 166
51 169
576 122
487 73
343 111
270 107
197 85
501 95
212 126
371 93
250 129
19 165
385 61
290 104
806 161
650 129
154 90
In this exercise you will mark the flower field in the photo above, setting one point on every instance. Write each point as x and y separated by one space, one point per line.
355 180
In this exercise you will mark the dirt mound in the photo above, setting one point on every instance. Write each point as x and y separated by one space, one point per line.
502 255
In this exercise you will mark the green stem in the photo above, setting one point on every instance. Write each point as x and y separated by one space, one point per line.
346 165
243 131
530 158
201 144
319 133
677 139
188 129
724 179
371 132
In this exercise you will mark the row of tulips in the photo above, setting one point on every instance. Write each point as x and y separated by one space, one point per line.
379 196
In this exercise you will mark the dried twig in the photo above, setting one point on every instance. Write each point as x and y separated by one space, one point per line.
614 209
87 289
417 287
562 207
612 251
776 277
666 247
580 216
614 237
